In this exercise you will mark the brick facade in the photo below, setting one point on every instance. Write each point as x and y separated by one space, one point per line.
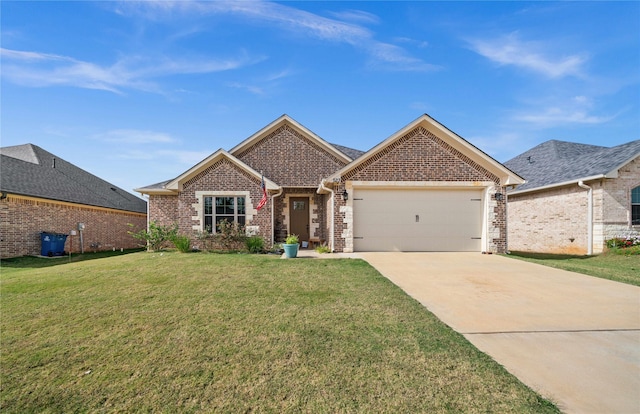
290 159
296 161
22 219
420 156
555 220
285 156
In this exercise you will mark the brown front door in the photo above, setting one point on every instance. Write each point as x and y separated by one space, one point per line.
299 217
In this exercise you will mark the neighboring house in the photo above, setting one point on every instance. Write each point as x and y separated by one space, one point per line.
576 197
422 189
44 193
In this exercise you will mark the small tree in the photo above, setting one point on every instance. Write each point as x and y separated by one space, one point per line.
156 235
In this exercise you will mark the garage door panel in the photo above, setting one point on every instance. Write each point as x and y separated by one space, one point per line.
417 220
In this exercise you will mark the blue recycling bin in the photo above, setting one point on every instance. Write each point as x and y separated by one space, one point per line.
52 244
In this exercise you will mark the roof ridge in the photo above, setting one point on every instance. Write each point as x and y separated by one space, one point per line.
24 152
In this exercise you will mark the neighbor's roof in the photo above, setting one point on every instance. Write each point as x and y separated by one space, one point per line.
555 163
29 170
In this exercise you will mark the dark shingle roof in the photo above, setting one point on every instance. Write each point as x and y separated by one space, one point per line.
31 171
555 162
349 152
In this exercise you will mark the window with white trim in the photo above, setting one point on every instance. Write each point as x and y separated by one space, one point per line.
229 208
635 206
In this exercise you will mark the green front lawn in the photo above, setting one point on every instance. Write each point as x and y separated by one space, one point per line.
202 332
618 267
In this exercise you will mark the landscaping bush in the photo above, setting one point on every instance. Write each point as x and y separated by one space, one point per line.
255 244
228 237
182 243
157 235
323 248
627 246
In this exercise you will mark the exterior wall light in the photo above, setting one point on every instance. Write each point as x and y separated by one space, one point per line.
345 195
498 196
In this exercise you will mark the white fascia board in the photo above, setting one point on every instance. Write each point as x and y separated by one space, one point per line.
155 191
562 184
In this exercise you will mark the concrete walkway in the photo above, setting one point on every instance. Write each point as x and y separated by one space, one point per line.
574 339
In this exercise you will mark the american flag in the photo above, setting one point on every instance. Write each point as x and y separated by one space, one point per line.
264 199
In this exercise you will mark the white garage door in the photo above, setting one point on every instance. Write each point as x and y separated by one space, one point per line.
417 220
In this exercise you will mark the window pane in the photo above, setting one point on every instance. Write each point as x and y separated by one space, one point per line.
224 205
241 220
241 207
635 214
208 208
635 195
208 224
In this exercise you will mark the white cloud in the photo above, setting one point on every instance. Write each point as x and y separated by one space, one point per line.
36 69
384 55
134 136
256 90
356 16
554 116
510 50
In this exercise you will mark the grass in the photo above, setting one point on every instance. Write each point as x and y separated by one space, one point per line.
617 267
202 332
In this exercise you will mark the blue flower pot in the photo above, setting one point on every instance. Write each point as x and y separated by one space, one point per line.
290 250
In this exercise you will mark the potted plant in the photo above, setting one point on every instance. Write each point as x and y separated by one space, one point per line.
290 246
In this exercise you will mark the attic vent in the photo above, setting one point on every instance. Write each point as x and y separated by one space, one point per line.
113 189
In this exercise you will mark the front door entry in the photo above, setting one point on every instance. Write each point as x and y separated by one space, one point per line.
299 217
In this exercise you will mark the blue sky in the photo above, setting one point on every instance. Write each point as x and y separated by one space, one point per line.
138 92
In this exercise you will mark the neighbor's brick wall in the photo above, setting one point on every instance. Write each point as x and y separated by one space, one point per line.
22 220
421 156
289 159
615 215
546 222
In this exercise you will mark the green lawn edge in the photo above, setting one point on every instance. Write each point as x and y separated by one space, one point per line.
167 332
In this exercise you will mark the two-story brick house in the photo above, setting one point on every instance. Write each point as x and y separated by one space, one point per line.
422 189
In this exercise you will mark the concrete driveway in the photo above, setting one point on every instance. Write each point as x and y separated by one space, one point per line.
574 339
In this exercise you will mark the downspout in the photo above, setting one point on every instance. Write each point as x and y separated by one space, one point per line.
589 217
506 221
273 224
332 226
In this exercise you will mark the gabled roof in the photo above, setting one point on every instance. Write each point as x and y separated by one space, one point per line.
554 163
175 185
305 132
506 176
29 170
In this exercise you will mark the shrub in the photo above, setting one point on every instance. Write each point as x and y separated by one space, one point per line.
255 244
323 248
156 235
228 237
182 243
629 245
292 239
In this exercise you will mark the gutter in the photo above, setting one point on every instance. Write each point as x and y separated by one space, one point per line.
562 184
333 207
273 226
581 184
